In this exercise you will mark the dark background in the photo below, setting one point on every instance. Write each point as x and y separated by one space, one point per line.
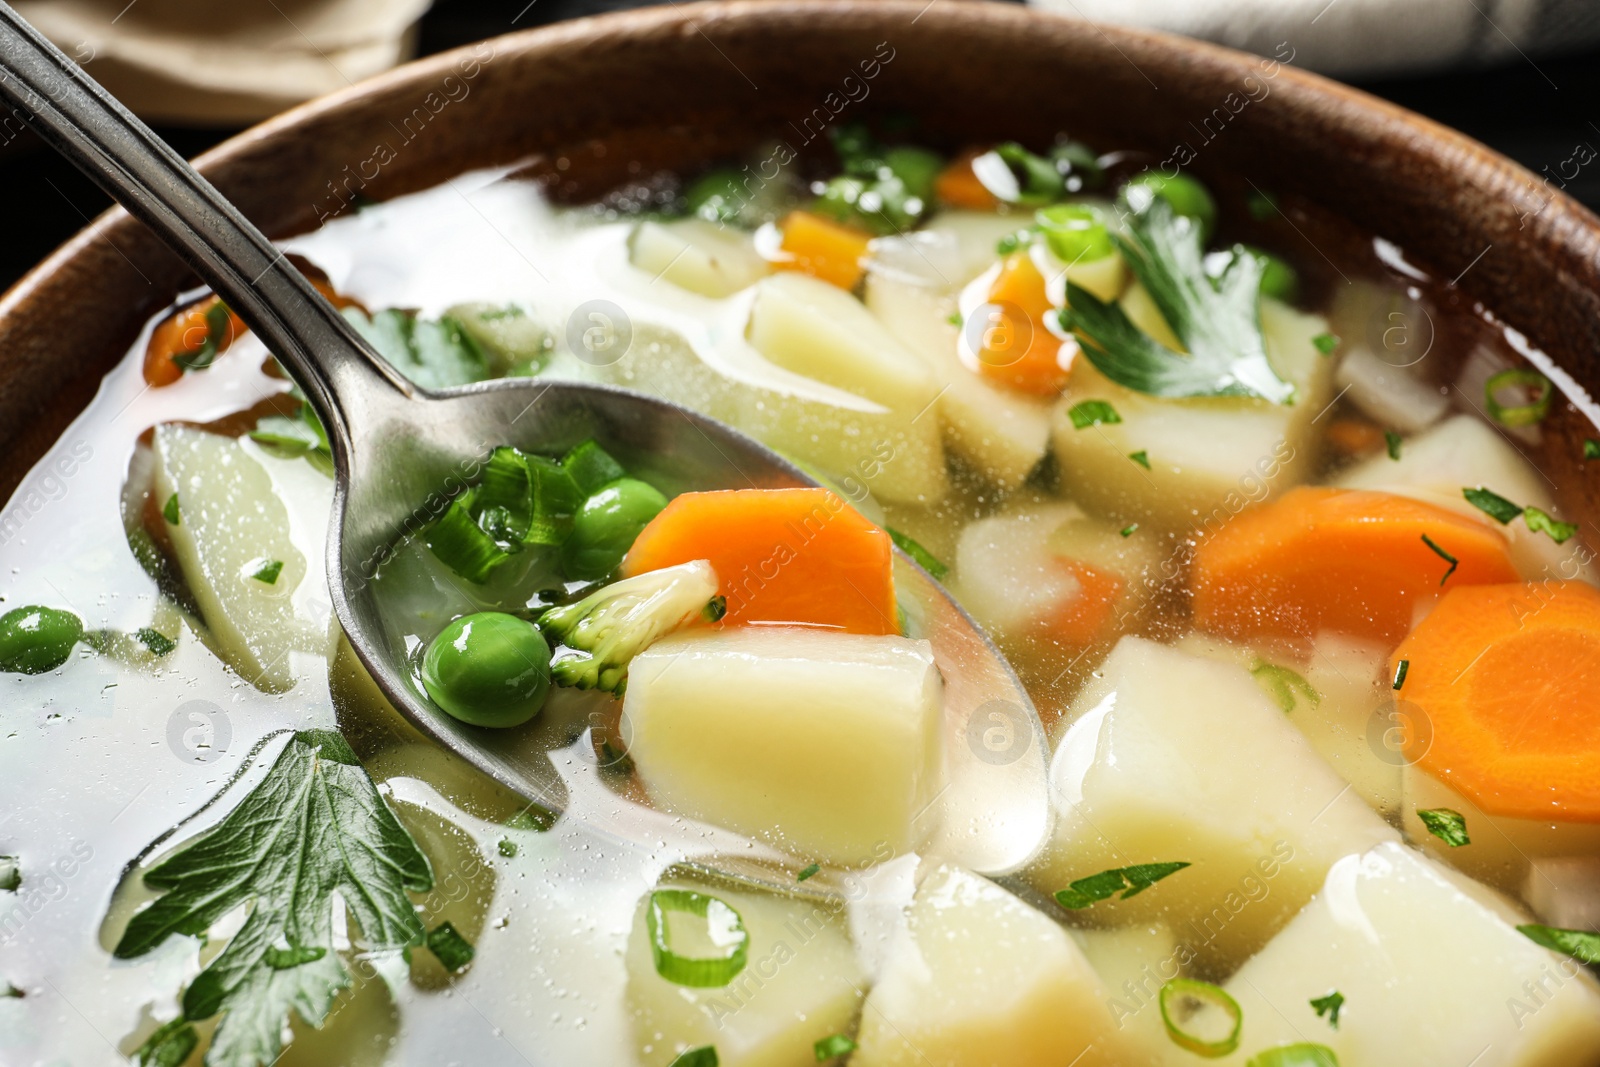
1535 111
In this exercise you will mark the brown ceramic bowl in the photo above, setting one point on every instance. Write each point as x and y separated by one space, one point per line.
597 101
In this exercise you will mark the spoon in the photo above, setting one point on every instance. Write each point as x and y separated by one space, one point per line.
395 445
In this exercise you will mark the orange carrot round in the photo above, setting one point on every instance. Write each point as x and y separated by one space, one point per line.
1506 676
801 556
1018 351
823 248
958 186
184 333
1086 619
1338 559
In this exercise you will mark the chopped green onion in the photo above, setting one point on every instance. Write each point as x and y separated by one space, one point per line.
1581 945
832 1047
1392 440
954 318
1400 670
1017 176
1087 413
925 559
157 642
1302 1054
11 992
1012 241
266 570
1282 684
1539 522
1183 999
1076 233
170 510
591 467
808 872
1131 881
1442 554
461 544
453 950
526 499
1329 1006
10 874
715 608
1492 504
1537 407
704 1056
1326 343
1127 531
717 196
1141 457
724 929
507 848
1446 824
1591 448
1078 163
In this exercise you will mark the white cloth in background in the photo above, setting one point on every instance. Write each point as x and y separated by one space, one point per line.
1351 38
226 62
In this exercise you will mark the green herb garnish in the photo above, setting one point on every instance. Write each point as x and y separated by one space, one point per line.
1182 999
1581 945
1326 343
217 338
1087 413
1141 457
157 642
808 872
169 511
1591 448
715 608
1130 881
1442 554
925 559
170 1045
506 847
720 919
1392 441
1329 1006
452 950
434 353
1127 531
1286 687
1537 406
10 874
1447 825
331 831
1539 522
267 571
1400 670
704 1056
832 1047
535 817
1302 1054
1216 318
1492 504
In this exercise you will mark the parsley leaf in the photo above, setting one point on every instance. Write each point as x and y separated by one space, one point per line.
158 643
1329 1006
704 1056
1581 945
1591 448
314 826
1539 522
1131 881
1128 530
832 1047
925 559
1217 319
810 870
1087 413
1141 457
452 950
1446 824
170 1045
1326 343
1442 554
1492 504
434 353
1392 440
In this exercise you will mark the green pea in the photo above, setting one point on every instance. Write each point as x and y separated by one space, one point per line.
1186 195
488 669
36 639
718 196
1278 280
917 168
605 527
1075 232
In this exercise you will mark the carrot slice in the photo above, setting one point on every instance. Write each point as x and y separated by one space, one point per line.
823 248
1354 437
1085 619
782 555
1018 351
1506 677
1338 559
958 186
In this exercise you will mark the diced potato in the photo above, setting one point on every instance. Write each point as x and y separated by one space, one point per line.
231 525
980 979
1501 847
697 255
1208 458
1564 891
897 454
1167 760
977 233
1134 962
1390 396
1000 433
1463 452
507 334
1047 573
823 743
801 983
822 332
1430 970
1384 336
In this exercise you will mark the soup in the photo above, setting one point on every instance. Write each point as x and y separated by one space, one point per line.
1309 637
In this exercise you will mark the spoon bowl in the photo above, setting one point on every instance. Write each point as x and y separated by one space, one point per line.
401 453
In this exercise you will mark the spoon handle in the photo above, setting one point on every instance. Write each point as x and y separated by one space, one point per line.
342 376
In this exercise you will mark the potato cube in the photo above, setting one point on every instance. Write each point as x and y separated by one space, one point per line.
697 255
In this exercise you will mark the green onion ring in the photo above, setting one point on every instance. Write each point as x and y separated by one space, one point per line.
1194 989
700 972
1305 1054
1522 414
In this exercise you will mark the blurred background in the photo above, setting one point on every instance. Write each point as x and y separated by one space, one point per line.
1523 76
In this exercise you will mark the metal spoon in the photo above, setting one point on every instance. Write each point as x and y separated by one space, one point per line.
396 446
